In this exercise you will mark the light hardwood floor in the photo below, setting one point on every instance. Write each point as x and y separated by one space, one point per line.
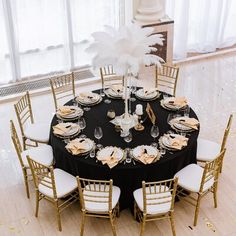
210 86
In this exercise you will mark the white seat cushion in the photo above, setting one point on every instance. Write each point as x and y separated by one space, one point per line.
161 208
65 184
207 150
190 178
42 154
38 131
100 206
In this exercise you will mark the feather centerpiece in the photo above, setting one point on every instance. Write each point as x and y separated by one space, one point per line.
126 49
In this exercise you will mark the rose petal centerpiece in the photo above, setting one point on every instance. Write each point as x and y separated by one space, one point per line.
126 48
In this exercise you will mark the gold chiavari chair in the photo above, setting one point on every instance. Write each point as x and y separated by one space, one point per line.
53 185
30 131
62 86
42 154
155 201
166 78
207 150
98 198
109 77
200 181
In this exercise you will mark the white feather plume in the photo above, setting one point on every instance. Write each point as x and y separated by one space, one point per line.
126 48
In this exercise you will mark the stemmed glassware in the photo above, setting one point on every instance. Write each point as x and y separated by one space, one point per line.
133 88
154 133
98 135
128 139
82 125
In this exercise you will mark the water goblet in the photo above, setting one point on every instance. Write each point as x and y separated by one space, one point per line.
92 152
128 139
186 111
154 133
98 135
82 125
162 151
133 89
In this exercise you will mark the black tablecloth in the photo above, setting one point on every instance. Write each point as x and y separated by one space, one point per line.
129 176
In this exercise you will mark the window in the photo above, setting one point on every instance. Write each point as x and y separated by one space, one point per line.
50 36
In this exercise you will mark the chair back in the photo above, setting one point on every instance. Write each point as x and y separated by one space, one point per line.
62 86
43 175
95 191
159 193
226 133
24 111
166 78
212 170
16 142
109 77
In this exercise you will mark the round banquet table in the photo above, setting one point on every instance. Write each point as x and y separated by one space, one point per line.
129 176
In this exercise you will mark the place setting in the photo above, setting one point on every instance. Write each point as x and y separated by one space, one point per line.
115 91
80 146
110 156
173 142
182 123
66 130
147 94
69 113
145 154
88 98
174 103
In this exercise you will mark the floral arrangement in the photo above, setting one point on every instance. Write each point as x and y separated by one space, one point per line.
126 48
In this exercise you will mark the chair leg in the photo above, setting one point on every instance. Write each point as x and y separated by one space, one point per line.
58 215
135 210
221 166
118 210
26 183
172 223
37 203
142 226
82 224
112 225
24 143
197 210
215 195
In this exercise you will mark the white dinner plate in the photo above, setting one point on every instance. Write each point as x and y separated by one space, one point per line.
78 112
89 99
108 151
112 93
141 95
137 151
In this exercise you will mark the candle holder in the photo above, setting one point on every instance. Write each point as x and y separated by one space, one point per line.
139 113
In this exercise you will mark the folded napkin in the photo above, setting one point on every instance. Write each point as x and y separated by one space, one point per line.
149 91
111 160
87 96
177 141
179 102
145 158
78 146
189 122
117 88
62 128
65 110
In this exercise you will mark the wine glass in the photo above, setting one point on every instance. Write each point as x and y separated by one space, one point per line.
82 125
133 89
128 139
186 111
98 135
154 133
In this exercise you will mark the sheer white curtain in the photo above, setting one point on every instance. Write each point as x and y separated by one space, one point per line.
39 37
202 25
